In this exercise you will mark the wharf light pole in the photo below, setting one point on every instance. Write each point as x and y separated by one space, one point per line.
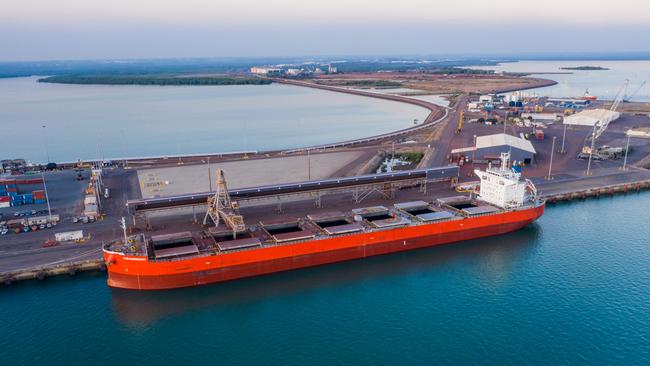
473 151
47 150
591 150
550 164
562 151
209 174
505 123
47 198
627 148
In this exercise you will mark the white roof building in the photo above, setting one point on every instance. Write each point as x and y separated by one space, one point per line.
589 117
491 146
500 139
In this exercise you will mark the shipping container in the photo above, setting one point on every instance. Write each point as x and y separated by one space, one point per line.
40 202
69 235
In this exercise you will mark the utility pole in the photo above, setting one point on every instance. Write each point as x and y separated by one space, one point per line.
562 151
47 198
308 165
627 148
550 164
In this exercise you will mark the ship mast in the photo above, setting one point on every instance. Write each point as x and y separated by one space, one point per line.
222 208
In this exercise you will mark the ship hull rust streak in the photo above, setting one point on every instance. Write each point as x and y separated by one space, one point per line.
133 272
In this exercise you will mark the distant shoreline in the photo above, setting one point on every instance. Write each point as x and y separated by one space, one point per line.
162 80
584 68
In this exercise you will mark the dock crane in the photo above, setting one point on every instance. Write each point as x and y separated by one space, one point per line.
600 126
628 98
222 208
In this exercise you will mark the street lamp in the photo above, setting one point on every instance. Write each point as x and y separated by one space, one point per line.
562 151
47 198
627 148
591 150
209 174
550 164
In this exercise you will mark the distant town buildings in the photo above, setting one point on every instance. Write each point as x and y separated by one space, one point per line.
268 71
294 71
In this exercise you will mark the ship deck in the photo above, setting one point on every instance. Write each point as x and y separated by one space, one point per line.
302 221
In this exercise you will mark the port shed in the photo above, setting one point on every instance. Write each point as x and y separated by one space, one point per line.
591 116
493 145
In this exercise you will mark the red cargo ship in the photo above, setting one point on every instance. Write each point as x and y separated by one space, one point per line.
505 203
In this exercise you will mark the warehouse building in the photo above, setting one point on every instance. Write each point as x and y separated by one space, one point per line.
591 116
490 148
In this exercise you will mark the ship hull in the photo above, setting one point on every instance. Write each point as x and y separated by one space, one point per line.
132 272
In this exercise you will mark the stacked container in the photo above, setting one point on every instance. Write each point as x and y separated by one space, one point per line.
16 199
28 199
39 197
5 201
10 186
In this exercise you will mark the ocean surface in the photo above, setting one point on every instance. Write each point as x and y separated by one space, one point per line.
58 122
573 288
603 83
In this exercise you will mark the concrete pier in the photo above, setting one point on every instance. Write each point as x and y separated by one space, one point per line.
41 273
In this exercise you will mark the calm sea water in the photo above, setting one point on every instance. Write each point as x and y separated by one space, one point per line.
90 121
574 288
603 83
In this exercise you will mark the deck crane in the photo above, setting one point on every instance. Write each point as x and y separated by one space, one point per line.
222 208
628 98
600 126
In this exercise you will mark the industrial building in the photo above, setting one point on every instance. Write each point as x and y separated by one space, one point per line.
591 116
490 147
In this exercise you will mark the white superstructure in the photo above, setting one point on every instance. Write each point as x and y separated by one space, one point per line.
503 186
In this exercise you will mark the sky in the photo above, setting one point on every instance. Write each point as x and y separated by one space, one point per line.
96 29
